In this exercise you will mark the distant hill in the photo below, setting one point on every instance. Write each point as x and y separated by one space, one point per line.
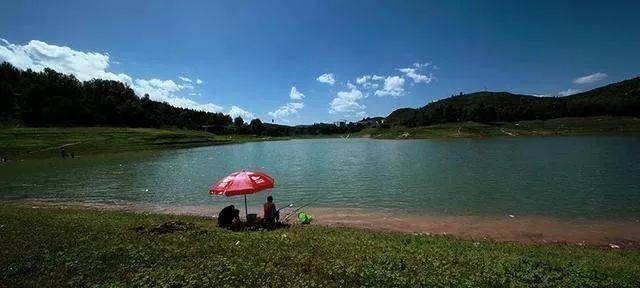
618 99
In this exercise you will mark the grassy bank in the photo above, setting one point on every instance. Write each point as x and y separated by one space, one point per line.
22 143
561 126
56 247
47 142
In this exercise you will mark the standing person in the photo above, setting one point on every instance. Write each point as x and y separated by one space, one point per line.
271 214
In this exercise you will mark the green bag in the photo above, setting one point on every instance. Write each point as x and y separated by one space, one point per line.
304 218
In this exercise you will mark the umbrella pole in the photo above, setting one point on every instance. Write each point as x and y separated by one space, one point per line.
246 211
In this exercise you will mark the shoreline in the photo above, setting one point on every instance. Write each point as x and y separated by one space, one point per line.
108 140
605 234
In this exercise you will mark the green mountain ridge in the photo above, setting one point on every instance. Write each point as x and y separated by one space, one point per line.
617 99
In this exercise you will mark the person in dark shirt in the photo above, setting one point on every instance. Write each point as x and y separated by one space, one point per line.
271 214
227 215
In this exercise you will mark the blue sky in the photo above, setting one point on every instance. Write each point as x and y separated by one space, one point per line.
249 54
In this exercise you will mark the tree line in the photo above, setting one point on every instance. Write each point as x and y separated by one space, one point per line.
49 98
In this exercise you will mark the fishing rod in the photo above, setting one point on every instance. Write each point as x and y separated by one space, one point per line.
286 217
290 205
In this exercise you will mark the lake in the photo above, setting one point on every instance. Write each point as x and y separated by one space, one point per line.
593 177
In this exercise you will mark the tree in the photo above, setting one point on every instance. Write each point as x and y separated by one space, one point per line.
238 122
256 126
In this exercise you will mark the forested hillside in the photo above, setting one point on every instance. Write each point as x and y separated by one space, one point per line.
52 99
49 98
618 99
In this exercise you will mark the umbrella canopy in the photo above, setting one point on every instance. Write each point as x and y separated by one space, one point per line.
242 183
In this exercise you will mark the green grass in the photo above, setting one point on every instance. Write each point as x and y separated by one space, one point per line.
561 126
58 247
46 142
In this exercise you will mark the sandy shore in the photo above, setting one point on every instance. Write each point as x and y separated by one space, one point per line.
538 230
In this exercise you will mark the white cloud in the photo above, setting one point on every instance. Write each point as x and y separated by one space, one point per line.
347 101
326 78
595 77
186 86
156 87
361 114
37 55
568 92
286 110
236 111
363 79
190 104
198 81
417 77
295 94
185 79
415 74
366 81
393 86
290 108
351 86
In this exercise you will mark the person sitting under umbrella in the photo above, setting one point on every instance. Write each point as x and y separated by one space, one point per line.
271 214
227 215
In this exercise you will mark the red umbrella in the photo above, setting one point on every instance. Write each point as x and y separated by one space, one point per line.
242 183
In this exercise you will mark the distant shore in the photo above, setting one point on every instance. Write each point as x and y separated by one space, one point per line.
619 234
25 143
604 125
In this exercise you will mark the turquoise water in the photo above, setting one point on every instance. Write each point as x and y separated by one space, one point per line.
586 177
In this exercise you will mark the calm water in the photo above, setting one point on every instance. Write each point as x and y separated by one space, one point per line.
587 177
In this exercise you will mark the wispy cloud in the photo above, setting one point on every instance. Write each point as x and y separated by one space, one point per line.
368 81
294 94
415 76
595 77
326 78
185 79
37 55
198 81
